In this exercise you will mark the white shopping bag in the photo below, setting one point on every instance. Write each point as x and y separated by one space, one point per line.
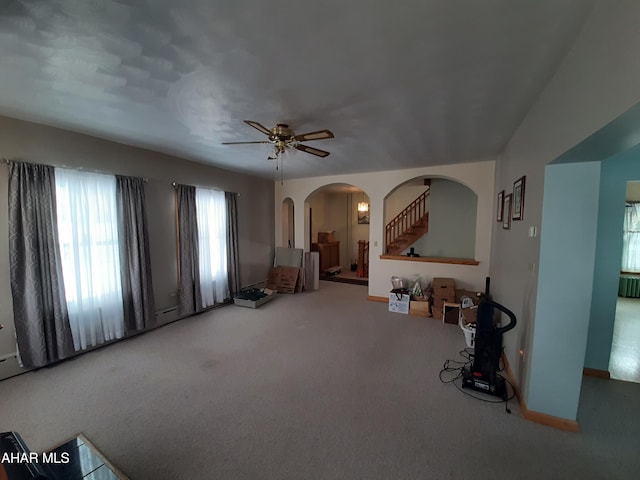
399 303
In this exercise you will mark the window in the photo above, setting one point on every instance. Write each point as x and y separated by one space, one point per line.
212 245
88 238
631 239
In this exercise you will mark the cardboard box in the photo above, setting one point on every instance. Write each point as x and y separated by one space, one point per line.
273 278
469 315
444 298
436 308
399 303
420 308
326 237
444 289
443 283
286 279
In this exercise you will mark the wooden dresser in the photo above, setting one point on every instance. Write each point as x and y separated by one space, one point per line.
329 253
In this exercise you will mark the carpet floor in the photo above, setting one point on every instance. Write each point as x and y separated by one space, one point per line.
316 385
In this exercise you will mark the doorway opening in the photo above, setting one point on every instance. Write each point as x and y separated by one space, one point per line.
624 362
339 232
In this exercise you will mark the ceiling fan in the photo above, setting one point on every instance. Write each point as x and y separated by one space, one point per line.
283 137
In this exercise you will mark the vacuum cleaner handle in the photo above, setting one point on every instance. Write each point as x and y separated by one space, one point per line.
507 312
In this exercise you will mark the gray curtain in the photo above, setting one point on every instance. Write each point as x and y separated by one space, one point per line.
39 305
135 262
233 265
190 295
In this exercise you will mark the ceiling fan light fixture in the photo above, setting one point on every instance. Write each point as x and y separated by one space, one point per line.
283 138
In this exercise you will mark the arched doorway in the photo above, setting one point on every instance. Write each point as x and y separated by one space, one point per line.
337 226
288 223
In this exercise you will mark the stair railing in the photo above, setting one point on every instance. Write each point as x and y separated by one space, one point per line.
406 218
363 259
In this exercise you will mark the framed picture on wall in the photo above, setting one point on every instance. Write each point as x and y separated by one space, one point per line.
506 218
518 199
500 207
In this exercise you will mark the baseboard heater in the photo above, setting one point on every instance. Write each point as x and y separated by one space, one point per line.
167 315
629 286
4 358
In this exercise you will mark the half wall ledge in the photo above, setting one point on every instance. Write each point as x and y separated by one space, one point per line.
455 261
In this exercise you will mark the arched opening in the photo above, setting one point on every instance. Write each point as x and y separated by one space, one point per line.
288 223
431 217
337 226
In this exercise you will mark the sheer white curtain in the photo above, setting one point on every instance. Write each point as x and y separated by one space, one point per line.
212 242
631 239
88 237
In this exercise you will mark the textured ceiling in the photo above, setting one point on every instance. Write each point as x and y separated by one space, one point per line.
401 84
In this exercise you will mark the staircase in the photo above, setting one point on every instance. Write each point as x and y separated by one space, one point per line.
408 226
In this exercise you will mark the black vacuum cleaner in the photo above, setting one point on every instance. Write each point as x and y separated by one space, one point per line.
483 373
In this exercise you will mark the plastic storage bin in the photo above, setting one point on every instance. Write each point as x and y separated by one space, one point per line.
469 333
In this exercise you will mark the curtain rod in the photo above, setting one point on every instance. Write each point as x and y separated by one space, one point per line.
175 184
144 179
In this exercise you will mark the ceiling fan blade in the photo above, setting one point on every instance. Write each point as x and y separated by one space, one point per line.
319 135
258 126
311 150
242 143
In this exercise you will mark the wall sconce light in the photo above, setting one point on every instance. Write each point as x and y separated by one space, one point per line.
363 207
363 211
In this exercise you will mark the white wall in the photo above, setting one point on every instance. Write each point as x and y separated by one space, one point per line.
596 82
24 141
478 176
